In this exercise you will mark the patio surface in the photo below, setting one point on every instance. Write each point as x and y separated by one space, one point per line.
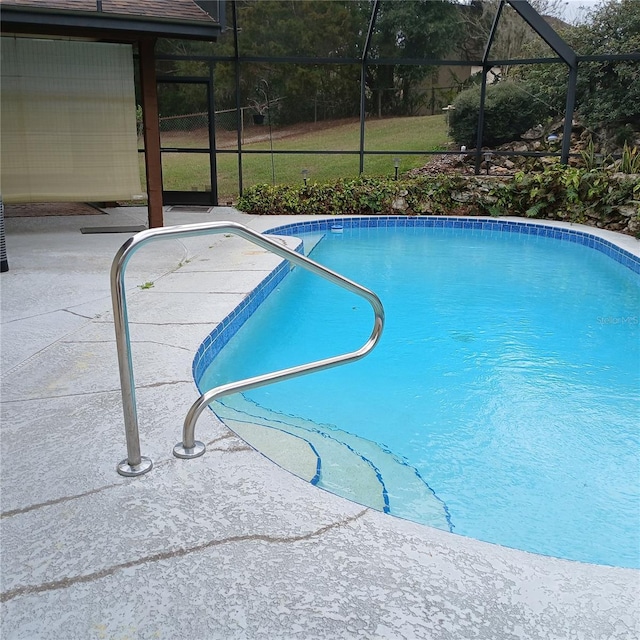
228 545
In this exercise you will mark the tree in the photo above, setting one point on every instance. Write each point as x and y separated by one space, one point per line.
607 93
411 29
277 28
336 29
314 28
513 34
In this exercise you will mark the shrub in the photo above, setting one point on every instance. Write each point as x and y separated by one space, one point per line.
509 112
597 197
360 196
567 193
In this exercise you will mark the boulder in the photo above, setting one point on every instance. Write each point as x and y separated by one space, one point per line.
535 133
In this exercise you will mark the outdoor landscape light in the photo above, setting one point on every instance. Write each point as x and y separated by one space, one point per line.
305 175
487 159
396 165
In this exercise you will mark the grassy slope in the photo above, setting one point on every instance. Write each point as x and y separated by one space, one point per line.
187 171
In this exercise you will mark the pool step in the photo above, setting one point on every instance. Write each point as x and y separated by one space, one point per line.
332 466
340 462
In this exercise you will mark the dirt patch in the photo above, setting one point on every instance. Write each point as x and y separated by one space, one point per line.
36 209
261 133
250 135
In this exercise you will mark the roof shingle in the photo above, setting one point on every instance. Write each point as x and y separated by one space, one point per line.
181 10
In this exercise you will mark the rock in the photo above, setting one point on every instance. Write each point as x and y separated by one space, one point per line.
459 196
399 204
627 211
558 125
534 133
633 226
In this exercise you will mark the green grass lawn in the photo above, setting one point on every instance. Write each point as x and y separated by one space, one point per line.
186 172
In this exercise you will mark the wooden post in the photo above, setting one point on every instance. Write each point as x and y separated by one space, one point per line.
151 124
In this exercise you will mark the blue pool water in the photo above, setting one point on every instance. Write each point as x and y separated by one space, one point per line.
507 377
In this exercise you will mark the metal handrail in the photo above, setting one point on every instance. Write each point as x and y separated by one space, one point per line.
135 464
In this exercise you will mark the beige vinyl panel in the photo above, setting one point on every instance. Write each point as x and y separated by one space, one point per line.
68 121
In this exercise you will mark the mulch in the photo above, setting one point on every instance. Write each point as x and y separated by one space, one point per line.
37 209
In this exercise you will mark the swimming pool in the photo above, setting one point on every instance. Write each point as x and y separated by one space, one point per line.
477 413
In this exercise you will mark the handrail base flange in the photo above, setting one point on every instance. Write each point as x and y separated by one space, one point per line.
198 449
130 471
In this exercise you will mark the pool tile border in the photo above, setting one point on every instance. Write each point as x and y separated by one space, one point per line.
225 330
576 236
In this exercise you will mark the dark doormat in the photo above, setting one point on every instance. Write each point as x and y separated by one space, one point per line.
195 208
122 229
37 209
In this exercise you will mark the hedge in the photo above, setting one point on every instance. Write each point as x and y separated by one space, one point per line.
597 197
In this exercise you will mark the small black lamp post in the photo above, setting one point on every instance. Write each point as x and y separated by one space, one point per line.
396 165
305 175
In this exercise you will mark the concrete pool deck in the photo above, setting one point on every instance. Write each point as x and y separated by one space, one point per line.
227 545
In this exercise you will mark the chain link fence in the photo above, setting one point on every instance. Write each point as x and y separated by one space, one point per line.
192 129
188 122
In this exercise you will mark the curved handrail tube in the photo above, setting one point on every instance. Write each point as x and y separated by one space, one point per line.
188 433
135 464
